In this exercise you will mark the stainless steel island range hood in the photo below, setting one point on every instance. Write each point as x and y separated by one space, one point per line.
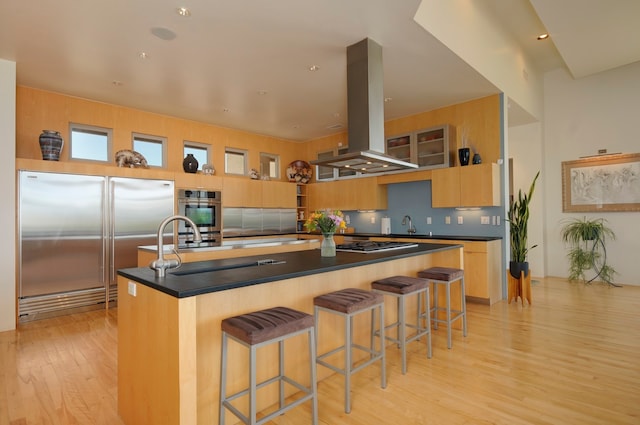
365 99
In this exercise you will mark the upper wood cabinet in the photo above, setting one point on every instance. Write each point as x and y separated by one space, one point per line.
445 187
198 181
351 194
278 194
242 192
429 148
469 186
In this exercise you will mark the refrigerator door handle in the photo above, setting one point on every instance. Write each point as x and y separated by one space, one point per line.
111 235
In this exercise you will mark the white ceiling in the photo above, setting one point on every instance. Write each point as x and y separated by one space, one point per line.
230 51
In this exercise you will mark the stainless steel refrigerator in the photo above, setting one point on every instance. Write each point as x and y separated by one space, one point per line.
76 231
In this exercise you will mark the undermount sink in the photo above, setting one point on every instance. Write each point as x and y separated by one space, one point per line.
260 243
264 262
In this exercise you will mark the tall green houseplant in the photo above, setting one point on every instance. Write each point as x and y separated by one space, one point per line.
518 218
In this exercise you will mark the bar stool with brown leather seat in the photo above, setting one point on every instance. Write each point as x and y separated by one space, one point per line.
402 287
447 276
255 330
348 303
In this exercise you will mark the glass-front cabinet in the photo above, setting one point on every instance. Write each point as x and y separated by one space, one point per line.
330 173
400 147
428 148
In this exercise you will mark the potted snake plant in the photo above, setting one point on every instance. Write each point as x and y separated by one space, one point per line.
518 218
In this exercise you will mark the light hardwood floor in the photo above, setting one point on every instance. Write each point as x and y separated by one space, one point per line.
571 358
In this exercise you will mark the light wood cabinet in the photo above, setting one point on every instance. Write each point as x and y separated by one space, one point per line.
428 148
445 187
239 192
469 186
278 194
248 193
198 181
483 281
482 263
351 194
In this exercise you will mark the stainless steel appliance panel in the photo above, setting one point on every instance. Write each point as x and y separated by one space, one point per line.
288 220
75 231
270 220
204 208
61 228
136 209
252 220
232 221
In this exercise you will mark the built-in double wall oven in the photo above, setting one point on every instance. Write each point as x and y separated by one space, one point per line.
205 209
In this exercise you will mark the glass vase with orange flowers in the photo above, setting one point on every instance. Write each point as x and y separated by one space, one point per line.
326 222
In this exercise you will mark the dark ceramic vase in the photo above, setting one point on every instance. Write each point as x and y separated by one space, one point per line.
515 268
51 145
190 164
464 155
476 159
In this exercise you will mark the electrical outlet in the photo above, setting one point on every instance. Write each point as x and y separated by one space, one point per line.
493 220
373 220
460 219
133 289
484 219
428 220
447 220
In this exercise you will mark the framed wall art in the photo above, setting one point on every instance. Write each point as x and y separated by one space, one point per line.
601 183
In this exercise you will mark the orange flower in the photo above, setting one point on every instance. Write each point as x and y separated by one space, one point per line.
325 221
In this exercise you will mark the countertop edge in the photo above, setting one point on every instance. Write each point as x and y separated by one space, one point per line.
174 285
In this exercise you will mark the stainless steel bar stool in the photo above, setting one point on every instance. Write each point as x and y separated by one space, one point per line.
447 276
402 287
257 329
349 303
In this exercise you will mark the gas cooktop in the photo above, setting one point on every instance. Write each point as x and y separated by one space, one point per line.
367 247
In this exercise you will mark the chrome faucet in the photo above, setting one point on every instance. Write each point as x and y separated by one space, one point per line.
160 265
411 230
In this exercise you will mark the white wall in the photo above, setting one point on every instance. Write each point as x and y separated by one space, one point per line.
601 111
7 194
525 148
471 31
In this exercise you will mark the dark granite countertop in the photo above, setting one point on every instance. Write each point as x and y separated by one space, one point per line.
218 275
425 236
392 235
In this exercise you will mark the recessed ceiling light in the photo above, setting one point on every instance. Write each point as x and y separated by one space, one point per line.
143 55
183 11
388 99
225 110
116 83
543 36
262 92
313 68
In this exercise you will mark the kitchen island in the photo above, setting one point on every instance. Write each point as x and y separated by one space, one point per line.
169 328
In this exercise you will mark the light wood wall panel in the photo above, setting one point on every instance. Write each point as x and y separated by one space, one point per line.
37 110
480 116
